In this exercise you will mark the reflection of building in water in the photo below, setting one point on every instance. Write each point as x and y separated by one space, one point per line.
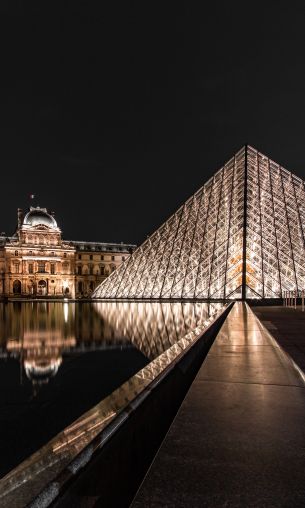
154 326
40 333
41 352
37 262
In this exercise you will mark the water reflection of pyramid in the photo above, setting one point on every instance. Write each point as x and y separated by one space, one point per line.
153 327
241 235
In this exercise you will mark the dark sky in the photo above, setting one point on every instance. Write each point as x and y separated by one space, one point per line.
113 113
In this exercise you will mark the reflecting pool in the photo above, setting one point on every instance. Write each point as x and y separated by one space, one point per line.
57 360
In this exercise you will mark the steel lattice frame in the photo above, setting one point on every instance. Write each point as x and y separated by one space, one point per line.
240 236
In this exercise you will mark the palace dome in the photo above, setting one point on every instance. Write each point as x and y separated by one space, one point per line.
41 370
38 216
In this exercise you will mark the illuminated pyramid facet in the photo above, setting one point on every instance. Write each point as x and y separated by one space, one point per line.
240 236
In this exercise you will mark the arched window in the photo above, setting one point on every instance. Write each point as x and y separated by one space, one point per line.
17 287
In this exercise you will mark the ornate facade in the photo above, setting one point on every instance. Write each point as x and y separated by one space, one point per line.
37 262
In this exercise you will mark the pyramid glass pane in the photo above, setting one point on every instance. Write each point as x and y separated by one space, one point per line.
241 235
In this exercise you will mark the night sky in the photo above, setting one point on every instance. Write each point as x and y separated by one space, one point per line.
113 113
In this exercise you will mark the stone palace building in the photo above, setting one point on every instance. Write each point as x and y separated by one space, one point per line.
37 262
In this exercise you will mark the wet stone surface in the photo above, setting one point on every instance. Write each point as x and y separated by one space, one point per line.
238 439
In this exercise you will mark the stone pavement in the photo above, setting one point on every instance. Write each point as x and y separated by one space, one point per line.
238 439
287 326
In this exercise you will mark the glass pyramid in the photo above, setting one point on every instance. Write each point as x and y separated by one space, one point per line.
241 235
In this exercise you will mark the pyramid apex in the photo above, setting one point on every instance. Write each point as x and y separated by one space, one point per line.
240 236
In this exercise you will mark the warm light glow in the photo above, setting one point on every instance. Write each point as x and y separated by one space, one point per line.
251 207
66 311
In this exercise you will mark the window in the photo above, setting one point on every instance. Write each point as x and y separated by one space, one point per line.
102 270
41 267
91 269
16 252
79 270
65 254
80 287
17 287
52 268
91 285
112 258
113 268
52 253
91 257
79 256
15 267
31 253
123 258
31 268
102 257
